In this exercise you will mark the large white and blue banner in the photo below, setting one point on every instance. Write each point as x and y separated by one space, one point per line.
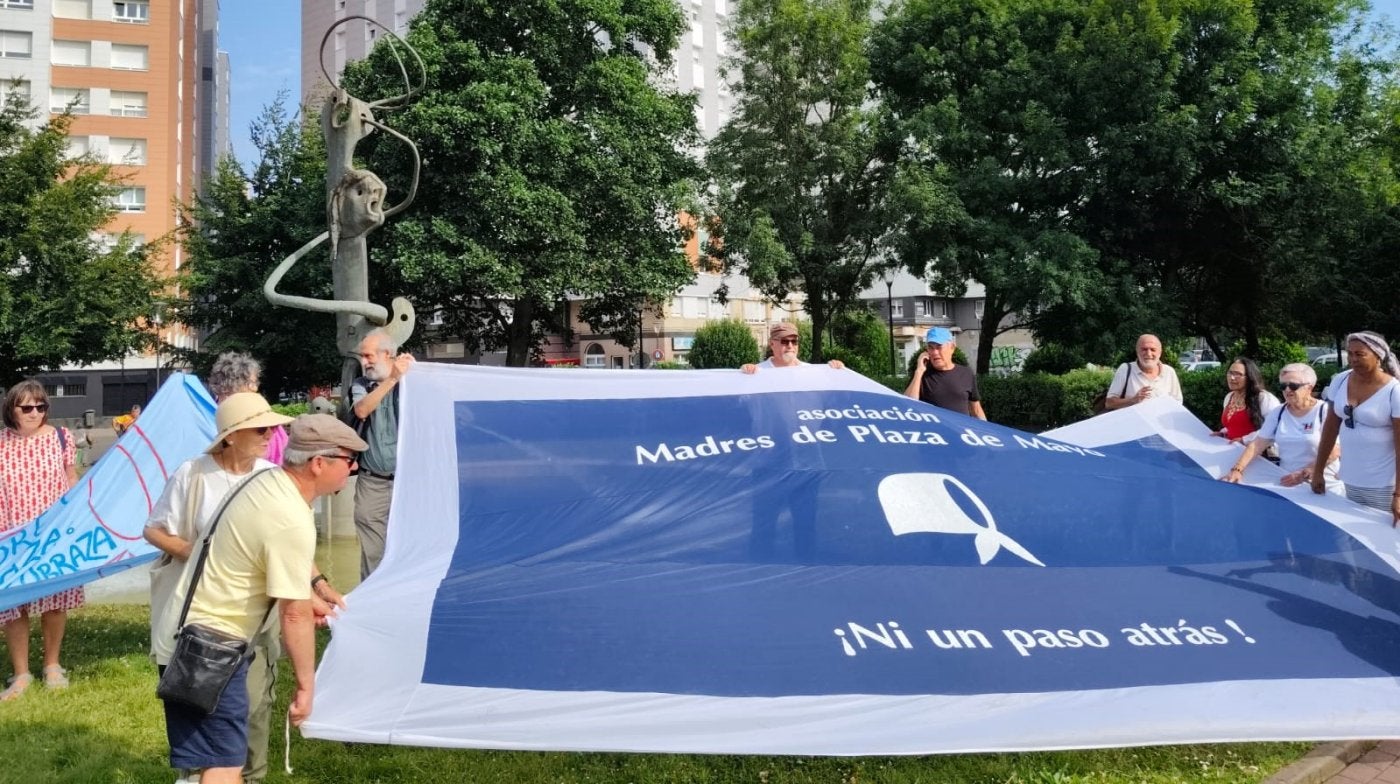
802 562
95 529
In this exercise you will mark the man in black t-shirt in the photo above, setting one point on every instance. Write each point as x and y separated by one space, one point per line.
937 380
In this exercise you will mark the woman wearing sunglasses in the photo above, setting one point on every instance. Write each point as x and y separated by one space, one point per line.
1296 427
37 466
1366 413
234 372
1247 404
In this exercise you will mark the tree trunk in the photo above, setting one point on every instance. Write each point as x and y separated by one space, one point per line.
520 334
991 320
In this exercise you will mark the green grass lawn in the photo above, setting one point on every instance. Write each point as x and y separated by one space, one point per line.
108 728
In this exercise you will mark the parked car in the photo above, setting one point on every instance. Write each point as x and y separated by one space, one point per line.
1205 364
1325 360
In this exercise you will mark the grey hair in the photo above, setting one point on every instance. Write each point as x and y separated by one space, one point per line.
233 372
386 341
1301 369
292 458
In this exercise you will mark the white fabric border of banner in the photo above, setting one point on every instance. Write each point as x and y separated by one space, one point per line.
369 685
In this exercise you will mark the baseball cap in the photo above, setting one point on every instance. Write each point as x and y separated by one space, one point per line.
940 335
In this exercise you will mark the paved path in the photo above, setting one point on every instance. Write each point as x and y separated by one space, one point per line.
1380 765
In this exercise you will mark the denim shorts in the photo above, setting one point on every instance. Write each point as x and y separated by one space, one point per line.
218 740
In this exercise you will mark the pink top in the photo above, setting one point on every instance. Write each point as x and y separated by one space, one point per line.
276 445
33 474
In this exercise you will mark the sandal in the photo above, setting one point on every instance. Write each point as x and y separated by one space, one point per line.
55 677
16 688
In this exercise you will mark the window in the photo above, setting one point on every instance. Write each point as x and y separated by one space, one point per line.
72 9
75 53
128 104
753 311
131 200
979 308
921 308
129 152
26 5
65 390
16 43
594 358
77 146
130 57
8 86
61 98
897 308
938 308
133 11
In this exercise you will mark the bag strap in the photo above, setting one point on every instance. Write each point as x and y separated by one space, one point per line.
204 551
62 439
1127 374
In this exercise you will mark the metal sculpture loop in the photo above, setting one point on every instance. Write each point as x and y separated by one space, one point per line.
355 206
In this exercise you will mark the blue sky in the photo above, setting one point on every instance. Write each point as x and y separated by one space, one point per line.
263 39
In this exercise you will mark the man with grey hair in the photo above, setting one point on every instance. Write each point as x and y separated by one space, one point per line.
259 558
1144 379
374 410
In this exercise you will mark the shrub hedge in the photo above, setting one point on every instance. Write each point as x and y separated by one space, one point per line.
1040 401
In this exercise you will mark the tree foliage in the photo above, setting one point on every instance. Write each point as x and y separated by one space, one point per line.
803 192
723 344
554 166
242 228
64 298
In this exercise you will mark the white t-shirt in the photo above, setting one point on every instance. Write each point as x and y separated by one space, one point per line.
1267 405
768 363
1297 437
169 511
1165 383
1368 448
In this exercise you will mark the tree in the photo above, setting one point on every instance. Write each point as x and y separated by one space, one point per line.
723 344
554 166
802 189
239 231
1007 105
64 298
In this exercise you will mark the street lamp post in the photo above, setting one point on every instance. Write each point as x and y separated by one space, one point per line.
889 315
155 319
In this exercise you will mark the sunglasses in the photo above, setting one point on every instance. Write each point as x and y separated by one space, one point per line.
40 407
1350 412
349 461
788 341
1292 386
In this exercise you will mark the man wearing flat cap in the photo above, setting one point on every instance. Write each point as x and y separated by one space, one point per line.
941 382
782 350
260 557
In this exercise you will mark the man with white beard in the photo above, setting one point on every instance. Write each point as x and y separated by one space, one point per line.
374 401
782 343
1144 379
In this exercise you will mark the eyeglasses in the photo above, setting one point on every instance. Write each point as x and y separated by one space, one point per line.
262 431
349 459
1292 386
1350 412
40 407
1234 374
788 341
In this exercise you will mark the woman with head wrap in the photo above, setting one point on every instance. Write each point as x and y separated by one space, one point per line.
1366 413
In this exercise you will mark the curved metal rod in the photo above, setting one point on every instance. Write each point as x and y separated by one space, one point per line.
417 167
368 310
399 101
392 101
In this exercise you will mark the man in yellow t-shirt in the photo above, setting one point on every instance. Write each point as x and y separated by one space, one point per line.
260 557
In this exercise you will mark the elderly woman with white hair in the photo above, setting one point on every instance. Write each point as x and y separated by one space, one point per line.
234 372
1365 412
1295 427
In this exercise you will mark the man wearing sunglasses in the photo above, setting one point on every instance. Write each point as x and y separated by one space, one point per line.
782 347
938 381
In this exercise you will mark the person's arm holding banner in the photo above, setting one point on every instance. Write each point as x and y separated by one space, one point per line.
1236 472
299 637
1331 426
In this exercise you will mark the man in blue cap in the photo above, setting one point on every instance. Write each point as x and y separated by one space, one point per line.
937 380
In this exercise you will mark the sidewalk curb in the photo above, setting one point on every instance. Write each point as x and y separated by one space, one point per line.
1322 763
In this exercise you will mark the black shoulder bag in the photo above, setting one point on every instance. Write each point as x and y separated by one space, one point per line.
1100 402
205 659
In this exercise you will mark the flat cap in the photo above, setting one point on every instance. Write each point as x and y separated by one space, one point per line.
314 432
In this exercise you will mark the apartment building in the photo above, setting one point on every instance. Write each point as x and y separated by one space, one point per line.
350 42
142 81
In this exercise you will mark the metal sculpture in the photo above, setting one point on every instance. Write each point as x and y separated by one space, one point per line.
354 208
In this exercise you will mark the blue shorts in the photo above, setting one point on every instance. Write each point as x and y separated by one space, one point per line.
218 740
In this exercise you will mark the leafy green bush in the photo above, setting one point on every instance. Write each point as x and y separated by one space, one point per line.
1272 351
723 344
1054 359
862 341
291 409
668 365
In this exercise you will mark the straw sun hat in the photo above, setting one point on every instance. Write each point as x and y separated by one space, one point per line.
240 412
